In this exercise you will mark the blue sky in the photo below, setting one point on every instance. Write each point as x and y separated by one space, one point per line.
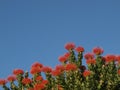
36 30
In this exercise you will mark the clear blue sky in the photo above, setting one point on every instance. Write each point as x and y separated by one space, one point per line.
36 30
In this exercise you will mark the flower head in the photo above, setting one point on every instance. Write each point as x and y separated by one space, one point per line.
11 78
39 78
26 81
62 59
39 86
86 73
79 49
89 56
56 72
71 67
98 50
110 58
18 71
60 67
46 69
35 70
67 55
37 64
3 82
69 46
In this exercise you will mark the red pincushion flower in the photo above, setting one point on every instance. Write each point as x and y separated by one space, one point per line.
89 56
56 72
70 67
26 81
39 78
3 81
35 70
91 61
69 46
86 73
60 67
37 64
39 86
79 49
67 55
98 50
62 59
46 69
18 71
11 78
118 58
110 58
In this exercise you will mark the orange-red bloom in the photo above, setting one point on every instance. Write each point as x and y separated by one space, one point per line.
3 81
91 61
89 56
110 58
39 86
86 73
11 78
98 50
46 69
18 71
60 67
35 70
39 78
37 64
70 67
69 46
26 81
79 49
67 55
62 59
56 72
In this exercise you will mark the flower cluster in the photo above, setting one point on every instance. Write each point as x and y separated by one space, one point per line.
99 73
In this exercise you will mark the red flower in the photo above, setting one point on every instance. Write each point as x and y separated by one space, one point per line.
35 70
37 64
110 58
91 61
62 59
70 67
39 78
3 82
46 69
18 71
56 72
67 55
98 50
89 56
60 67
118 58
26 81
11 78
69 46
86 73
39 86
79 49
